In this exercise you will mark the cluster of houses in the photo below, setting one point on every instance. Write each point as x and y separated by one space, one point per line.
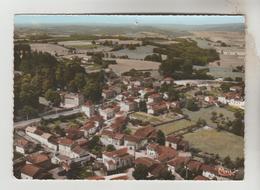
108 121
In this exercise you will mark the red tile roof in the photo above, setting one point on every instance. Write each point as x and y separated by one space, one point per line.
124 177
178 161
199 177
22 142
173 139
65 141
117 153
96 178
30 170
145 131
148 162
208 168
133 138
37 158
88 103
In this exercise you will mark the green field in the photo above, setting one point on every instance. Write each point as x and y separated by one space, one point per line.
206 113
174 126
221 143
145 117
92 46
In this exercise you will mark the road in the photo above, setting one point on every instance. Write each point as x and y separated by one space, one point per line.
22 124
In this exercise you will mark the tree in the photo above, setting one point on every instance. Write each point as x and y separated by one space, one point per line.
201 122
53 97
92 144
28 111
110 148
228 163
92 91
142 106
140 172
191 105
160 137
173 94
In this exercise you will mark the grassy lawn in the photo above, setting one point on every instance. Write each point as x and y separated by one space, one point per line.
205 113
174 126
221 143
147 117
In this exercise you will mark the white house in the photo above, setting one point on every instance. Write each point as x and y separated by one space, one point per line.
70 100
154 98
88 108
128 106
44 138
107 113
90 128
117 159
239 103
24 146
134 142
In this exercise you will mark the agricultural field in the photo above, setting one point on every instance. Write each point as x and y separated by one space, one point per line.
146 117
50 48
124 65
206 113
175 126
154 119
217 142
75 43
138 53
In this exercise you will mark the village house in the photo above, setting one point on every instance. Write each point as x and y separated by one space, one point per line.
24 146
108 93
39 159
117 124
71 100
109 137
200 178
89 128
177 163
154 98
69 148
209 172
44 138
146 92
65 146
161 153
128 105
177 142
148 133
173 141
134 142
88 108
74 133
117 159
167 80
107 113
30 171
157 108
210 99
146 161
232 99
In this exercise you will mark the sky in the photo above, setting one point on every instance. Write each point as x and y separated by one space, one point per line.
127 19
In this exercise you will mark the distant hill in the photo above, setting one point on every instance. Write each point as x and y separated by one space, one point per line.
174 30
